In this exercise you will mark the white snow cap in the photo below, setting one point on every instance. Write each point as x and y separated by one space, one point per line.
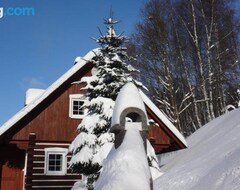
32 94
128 97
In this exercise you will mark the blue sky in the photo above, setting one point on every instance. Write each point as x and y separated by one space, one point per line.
36 50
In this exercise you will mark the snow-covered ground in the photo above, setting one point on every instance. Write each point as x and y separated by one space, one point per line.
211 162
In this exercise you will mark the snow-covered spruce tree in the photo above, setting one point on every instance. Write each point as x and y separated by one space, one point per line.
93 143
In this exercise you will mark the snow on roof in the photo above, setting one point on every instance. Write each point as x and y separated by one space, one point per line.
33 94
163 118
79 64
211 161
128 97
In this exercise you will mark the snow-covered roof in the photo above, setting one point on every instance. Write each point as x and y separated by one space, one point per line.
79 63
163 118
211 161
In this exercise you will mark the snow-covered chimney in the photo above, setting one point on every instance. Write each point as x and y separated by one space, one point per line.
129 107
32 94
126 166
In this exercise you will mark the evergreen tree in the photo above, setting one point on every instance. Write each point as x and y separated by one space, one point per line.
93 142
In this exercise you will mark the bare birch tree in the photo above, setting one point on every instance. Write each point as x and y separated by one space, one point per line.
188 52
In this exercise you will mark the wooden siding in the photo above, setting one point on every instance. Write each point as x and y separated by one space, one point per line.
162 139
51 122
158 138
36 177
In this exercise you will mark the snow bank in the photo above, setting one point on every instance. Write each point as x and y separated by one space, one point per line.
211 161
126 168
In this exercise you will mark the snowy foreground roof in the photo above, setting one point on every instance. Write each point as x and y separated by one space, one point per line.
211 160
80 63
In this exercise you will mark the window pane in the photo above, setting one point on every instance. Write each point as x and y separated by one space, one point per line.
51 168
58 168
55 162
58 163
77 107
59 157
51 163
51 156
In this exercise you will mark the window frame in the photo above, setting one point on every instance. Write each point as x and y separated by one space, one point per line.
72 97
56 151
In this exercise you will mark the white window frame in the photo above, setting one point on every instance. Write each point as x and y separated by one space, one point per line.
60 151
73 97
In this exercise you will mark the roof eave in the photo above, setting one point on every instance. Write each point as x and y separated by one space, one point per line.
164 119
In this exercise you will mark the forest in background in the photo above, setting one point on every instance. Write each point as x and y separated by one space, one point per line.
187 54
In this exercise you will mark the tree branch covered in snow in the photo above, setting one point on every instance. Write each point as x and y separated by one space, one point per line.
188 51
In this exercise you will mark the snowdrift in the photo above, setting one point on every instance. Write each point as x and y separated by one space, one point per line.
212 160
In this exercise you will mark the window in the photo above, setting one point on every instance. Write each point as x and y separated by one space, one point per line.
55 161
75 108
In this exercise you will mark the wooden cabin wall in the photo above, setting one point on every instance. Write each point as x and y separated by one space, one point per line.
53 127
52 121
36 179
157 135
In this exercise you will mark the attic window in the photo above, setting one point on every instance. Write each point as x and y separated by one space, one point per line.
55 161
76 109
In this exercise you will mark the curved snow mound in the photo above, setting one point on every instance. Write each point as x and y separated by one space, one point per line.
126 168
128 97
212 160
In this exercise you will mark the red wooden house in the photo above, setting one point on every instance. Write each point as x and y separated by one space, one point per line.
34 142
